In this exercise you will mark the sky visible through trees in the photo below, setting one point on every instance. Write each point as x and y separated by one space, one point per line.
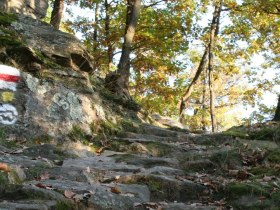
168 45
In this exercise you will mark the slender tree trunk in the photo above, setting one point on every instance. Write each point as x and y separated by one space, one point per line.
107 34
187 94
277 112
95 37
57 12
96 21
203 118
213 33
118 82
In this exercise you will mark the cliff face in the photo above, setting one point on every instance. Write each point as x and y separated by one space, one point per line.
33 8
48 90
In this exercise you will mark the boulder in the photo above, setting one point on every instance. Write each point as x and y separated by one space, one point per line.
41 46
45 86
33 8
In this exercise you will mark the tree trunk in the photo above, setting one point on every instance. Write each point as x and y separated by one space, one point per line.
95 30
277 112
95 36
118 82
57 12
213 33
107 34
187 94
204 109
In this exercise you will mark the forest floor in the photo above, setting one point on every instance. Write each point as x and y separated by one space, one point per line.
145 167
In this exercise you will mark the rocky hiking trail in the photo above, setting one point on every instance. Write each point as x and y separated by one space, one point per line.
153 168
49 158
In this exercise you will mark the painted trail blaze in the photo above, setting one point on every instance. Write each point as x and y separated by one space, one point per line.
9 78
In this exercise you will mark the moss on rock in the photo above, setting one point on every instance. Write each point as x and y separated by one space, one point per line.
235 190
6 19
228 159
274 156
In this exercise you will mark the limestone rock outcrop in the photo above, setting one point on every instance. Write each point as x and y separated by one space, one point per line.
41 46
45 88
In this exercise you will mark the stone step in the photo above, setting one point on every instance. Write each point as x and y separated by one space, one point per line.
146 161
102 196
157 131
183 206
29 205
175 137
167 188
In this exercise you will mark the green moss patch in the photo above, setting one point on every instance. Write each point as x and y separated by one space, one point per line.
8 36
3 140
118 145
236 190
274 156
48 62
261 171
36 171
3 179
229 159
101 128
64 206
158 149
253 196
7 18
266 131
130 126
9 41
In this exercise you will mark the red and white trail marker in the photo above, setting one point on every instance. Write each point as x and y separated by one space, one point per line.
9 77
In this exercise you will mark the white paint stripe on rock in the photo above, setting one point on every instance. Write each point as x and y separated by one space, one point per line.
9 70
13 73
8 85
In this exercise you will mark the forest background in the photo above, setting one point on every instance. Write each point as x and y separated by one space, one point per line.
212 64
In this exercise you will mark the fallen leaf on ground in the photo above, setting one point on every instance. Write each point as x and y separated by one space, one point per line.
100 150
69 194
40 185
115 190
4 167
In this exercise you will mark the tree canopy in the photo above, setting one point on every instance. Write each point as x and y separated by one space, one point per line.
203 60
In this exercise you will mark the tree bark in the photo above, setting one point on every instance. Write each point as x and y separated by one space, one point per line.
95 37
185 99
95 30
57 12
204 109
107 34
118 82
277 112
213 33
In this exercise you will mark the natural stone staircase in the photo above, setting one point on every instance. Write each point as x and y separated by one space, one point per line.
154 169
